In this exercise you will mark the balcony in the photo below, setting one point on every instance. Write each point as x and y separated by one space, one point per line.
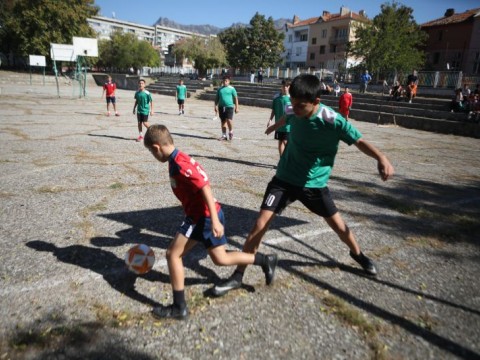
334 40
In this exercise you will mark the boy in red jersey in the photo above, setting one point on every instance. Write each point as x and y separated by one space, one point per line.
345 103
203 221
109 88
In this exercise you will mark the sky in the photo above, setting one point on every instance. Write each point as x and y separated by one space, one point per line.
208 12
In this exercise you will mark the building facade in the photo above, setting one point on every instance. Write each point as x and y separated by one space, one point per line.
454 42
296 42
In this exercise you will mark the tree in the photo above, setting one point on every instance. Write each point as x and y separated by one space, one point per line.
125 50
391 42
258 45
204 54
28 27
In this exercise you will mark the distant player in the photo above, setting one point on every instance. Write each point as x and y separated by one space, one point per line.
181 96
109 88
143 99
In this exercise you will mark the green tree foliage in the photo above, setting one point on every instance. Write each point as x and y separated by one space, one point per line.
125 50
27 27
258 45
204 54
391 42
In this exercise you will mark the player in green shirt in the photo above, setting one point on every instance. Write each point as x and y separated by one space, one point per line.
226 102
304 169
143 99
280 103
181 96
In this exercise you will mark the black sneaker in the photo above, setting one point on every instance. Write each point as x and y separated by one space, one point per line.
269 268
170 312
365 263
229 284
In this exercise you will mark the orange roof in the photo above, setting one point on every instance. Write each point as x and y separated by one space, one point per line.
453 19
327 17
304 22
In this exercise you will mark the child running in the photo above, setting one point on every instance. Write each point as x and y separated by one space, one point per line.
143 99
279 104
203 222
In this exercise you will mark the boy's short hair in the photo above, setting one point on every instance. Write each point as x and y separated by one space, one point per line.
141 80
226 77
286 82
157 134
306 87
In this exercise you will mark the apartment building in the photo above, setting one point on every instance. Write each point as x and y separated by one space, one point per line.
329 36
296 42
454 41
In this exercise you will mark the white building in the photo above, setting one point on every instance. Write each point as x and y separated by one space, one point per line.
296 42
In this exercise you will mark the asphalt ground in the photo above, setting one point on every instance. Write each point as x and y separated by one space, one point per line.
77 191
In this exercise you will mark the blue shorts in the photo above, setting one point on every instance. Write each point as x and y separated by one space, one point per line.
202 230
280 194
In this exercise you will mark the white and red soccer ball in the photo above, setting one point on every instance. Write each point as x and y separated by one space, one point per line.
140 259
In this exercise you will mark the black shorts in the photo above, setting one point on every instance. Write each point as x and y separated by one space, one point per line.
110 99
142 117
225 113
281 135
280 194
180 101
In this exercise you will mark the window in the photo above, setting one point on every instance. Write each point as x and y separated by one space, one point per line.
333 48
312 56
298 51
304 37
324 34
436 58
322 49
314 41
476 64
440 35
290 38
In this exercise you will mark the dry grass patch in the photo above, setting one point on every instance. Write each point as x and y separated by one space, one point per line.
50 189
17 133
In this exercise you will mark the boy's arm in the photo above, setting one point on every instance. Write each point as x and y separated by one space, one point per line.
272 114
103 92
151 106
134 107
236 104
385 169
277 125
217 227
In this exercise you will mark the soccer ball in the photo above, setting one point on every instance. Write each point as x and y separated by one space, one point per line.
140 259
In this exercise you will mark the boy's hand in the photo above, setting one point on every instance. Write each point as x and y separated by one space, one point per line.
385 169
217 229
133 111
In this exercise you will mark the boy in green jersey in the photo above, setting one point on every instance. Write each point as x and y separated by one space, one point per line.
280 104
143 99
304 169
180 96
226 102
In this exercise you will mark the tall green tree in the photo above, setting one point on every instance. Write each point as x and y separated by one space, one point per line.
257 45
204 54
28 27
125 50
391 43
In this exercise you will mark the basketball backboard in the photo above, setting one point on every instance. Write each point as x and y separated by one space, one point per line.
62 52
37 60
85 46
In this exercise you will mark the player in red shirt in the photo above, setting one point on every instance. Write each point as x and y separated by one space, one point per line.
345 103
109 87
203 221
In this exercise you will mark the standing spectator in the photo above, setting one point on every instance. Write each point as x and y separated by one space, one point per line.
345 103
412 82
260 76
226 102
143 99
181 96
336 88
109 89
252 76
364 80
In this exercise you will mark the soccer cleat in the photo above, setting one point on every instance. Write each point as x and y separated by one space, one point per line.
183 112
230 135
229 284
179 113
170 312
367 264
117 114
269 267
222 138
108 113
140 138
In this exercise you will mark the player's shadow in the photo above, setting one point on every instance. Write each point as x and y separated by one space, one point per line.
193 136
235 161
113 137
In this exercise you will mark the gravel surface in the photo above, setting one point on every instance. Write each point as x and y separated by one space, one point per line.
77 191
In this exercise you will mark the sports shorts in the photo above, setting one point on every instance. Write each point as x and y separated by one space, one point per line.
181 101
202 230
281 135
280 194
142 117
110 99
225 113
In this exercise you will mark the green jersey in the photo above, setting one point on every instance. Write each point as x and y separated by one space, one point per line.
144 98
313 143
226 96
181 92
279 104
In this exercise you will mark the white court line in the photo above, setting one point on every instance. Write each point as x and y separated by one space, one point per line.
159 264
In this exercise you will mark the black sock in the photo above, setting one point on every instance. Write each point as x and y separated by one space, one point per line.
237 275
179 299
259 259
